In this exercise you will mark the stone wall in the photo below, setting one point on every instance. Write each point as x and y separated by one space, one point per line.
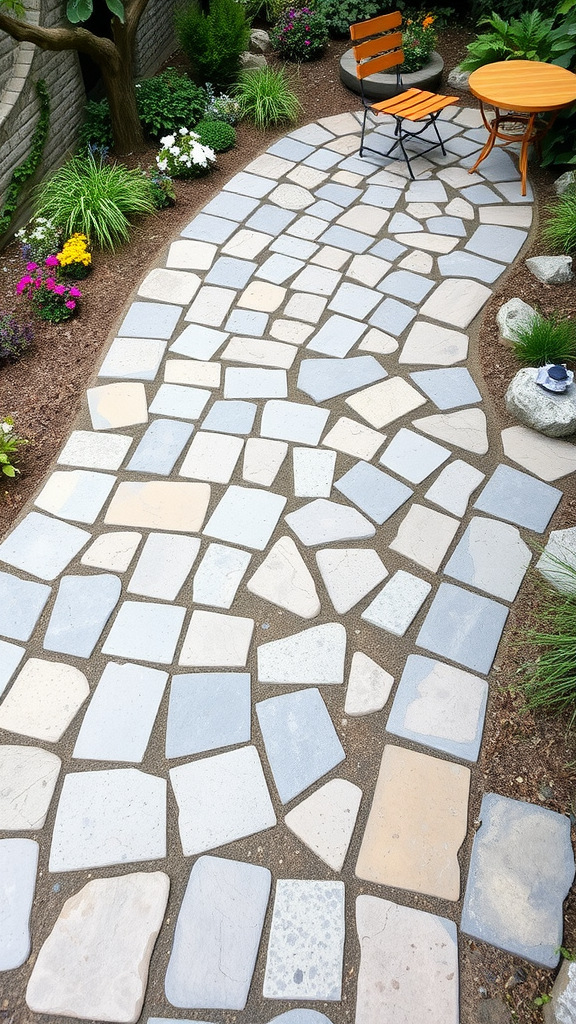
155 40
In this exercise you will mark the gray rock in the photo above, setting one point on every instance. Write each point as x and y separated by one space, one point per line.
565 181
259 41
551 269
458 79
514 314
561 548
553 415
252 61
562 1008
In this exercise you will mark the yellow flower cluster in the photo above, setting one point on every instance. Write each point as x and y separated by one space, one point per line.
75 250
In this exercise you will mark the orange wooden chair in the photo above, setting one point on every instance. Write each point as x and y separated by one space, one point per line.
378 47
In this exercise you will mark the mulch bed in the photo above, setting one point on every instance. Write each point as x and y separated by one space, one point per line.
523 756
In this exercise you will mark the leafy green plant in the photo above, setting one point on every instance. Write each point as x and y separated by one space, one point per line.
169 101
560 228
15 337
213 42
216 134
559 145
301 34
266 99
340 14
221 108
268 10
10 442
418 41
25 171
545 340
529 37
95 199
162 189
96 128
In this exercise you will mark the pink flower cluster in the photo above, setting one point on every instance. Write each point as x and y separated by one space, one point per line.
49 283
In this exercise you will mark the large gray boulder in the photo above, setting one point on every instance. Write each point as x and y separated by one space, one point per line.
252 61
562 1008
553 415
512 315
259 41
564 181
561 547
458 79
551 269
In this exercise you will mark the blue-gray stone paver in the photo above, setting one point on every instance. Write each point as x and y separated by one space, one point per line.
463 627
21 604
217 934
18 865
374 492
462 146
163 565
412 456
439 706
447 388
10 657
270 219
150 320
446 226
402 223
489 239
207 710
230 417
480 195
247 322
145 631
426 191
278 268
180 401
290 149
291 421
42 546
322 159
497 166
298 248
511 192
198 342
388 249
342 195
464 264
324 210
206 228
490 556
478 135
381 196
86 496
82 608
312 134
231 206
323 522
519 498
121 714
392 317
246 184
354 300
521 869
345 238
300 740
325 378
403 284
301 1016
246 516
230 272
160 447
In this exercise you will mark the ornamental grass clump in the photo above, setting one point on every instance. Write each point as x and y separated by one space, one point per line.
545 340
266 99
560 228
183 155
95 198
10 443
301 34
15 337
49 298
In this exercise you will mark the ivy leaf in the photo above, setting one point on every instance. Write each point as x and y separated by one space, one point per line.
117 8
78 10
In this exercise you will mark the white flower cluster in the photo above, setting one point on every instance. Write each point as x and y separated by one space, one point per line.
37 230
183 155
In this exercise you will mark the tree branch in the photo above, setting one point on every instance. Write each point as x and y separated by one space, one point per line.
102 50
133 11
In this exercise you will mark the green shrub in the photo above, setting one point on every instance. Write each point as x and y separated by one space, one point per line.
96 130
301 34
340 14
183 155
216 134
546 340
95 199
559 145
266 99
560 228
529 37
213 42
169 101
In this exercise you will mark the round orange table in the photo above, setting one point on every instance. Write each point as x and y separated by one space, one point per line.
520 91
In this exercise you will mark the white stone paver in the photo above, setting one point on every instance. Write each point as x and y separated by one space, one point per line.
325 821
369 686
284 579
45 697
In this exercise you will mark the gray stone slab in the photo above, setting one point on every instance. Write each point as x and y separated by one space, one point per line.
150 320
198 342
91 450
246 516
398 603
343 195
247 321
512 194
322 159
249 185
207 710
230 272
136 358
298 248
42 546
300 740
314 657
301 1016
491 556
324 210
480 195
18 864
163 566
121 714
255 382
82 608
323 522
354 300
145 632
497 166
402 223
412 456
278 268
427 191
464 264
337 336
453 226
271 219
231 206
290 421
493 238
463 627
449 388
345 238
219 575
461 146
388 249
160 447
179 401
77 494
10 657
521 870
376 493
325 378
217 934
290 149
230 417
403 284
392 317
382 196
439 706
519 498
312 134
21 604
206 228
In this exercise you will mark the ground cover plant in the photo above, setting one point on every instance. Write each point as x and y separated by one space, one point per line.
266 99
220 108
418 41
15 337
214 41
546 340
10 443
300 34
560 228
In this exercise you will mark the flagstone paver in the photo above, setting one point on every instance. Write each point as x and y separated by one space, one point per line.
241 466
18 865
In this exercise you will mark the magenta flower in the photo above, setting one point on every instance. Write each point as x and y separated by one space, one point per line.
23 284
75 293
70 305
306 42
31 266
59 289
50 283
52 261
38 282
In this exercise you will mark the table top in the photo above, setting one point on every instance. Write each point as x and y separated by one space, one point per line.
526 86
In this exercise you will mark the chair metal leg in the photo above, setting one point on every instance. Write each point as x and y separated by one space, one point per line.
363 130
434 119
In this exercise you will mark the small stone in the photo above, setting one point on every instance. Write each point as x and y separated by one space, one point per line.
284 579
10 657
561 548
90 450
430 345
513 315
89 970
18 864
260 295
385 402
160 447
551 269
349 574
291 197
252 61
260 353
150 320
198 342
77 494
43 700
290 421
314 657
219 575
325 821
262 460
112 551
212 457
512 216
21 604
418 261
313 472
369 686
216 640
28 777
179 401
562 1008
412 456
164 565
564 181
377 494
42 546
165 286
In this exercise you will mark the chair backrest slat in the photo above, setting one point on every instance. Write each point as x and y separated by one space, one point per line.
382 44
378 64
374 26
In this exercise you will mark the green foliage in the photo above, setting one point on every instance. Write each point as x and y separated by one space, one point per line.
542 1000
39 239
96 128
268 10
80 10
213 42
418 41
477 10
183 155
560 228
340 14
216 134
162 189
301 34
10 442
559 145
221 108
266 99
95 199
525 38
15 338
545 340
25 171
169 101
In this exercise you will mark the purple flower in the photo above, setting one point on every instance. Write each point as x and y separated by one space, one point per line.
70 305
59 289
31 266
52 261
75 293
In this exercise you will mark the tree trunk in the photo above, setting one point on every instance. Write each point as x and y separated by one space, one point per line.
119 85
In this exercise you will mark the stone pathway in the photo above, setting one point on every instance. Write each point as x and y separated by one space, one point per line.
246 628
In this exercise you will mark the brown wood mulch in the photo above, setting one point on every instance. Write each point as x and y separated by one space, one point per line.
524 756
